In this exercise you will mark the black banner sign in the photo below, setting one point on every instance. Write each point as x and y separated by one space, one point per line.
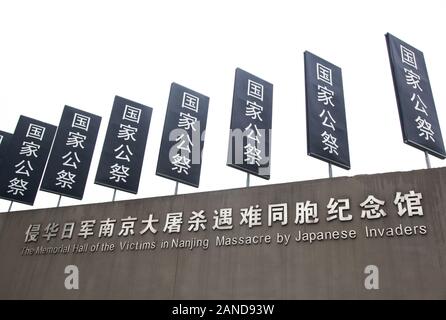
70 159
183 136
327 137
122 156
416 107
251 120
21 172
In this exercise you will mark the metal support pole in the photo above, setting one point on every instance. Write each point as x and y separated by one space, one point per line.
428 162
330 171
176 188
114 195
10 206
58 202
247 180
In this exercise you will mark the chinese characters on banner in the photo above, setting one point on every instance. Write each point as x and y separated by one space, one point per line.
21 172
327 138
124 147
301 213
5 139
183 136
70 159
250 135
416 107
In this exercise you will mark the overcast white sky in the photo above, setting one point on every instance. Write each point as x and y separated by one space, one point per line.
83 53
